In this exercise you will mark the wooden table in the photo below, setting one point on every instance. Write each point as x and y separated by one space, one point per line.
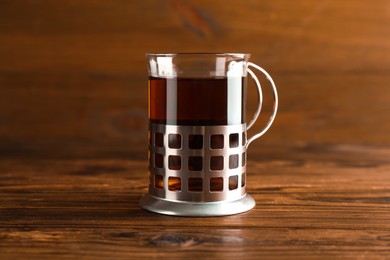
312 202
73 129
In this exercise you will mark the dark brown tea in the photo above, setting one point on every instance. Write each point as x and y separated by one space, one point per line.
197 101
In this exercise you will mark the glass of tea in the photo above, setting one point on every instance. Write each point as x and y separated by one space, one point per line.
198 133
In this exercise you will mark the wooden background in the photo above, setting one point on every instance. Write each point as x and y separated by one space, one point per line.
73 128
73 73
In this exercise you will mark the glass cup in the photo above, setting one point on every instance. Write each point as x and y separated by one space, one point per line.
198 133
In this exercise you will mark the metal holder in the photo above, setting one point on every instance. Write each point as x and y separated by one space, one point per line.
197 170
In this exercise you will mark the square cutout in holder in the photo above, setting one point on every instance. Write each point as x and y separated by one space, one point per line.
216 163
195 141
233 161
233 140
158 139
216 184
216 142
195 163
158 160
174 162
174 141
174 184
243 179
195 184
158 181
233 182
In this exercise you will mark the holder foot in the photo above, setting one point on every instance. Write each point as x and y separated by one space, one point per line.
196 209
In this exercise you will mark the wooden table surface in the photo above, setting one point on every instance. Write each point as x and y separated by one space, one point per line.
73 129
312 202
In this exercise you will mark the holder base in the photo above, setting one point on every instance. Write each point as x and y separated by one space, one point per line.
196 209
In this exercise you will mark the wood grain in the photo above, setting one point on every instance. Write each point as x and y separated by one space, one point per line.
73 125
317 206
77 71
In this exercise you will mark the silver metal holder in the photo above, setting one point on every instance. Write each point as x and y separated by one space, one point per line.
197 209
197 170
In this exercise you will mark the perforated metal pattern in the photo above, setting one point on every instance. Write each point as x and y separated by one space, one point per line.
197 163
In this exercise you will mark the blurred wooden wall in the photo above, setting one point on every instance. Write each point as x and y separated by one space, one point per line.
73 73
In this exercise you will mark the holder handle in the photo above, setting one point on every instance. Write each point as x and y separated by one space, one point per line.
260 103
